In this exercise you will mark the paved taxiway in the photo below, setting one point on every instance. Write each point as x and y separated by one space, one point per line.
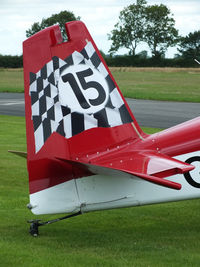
159 114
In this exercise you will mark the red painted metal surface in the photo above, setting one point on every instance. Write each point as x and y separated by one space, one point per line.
123 147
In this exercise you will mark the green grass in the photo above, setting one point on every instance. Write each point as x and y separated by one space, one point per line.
160 85
11 80
159 235
139 83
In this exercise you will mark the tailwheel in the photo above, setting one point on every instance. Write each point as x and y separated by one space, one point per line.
34 231
34 227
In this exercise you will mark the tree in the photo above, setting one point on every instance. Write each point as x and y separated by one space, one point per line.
60 18
160 32
190 45
129 31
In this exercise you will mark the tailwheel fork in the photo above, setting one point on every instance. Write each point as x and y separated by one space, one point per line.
35 224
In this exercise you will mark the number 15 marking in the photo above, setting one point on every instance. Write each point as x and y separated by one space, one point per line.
81 75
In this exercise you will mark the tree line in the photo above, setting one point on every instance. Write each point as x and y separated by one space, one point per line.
7 61
154 25
137 24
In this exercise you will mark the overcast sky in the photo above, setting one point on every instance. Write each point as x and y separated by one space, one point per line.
16 16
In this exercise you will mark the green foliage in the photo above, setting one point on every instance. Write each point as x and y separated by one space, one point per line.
141 60
139 22
60 18
190 45
129 31
143 54
160 32
8 61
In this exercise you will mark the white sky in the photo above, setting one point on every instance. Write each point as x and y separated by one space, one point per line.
100 16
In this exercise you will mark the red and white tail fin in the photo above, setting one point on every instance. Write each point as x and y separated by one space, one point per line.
72 101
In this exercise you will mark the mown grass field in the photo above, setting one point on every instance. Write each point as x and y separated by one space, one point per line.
172 84
159 235
175 84
11 80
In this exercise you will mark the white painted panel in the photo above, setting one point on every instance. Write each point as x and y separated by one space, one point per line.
61 198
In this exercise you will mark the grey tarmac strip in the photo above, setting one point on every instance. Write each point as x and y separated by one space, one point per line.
149 113
12 104
163 114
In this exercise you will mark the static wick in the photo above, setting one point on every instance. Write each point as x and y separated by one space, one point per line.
197 61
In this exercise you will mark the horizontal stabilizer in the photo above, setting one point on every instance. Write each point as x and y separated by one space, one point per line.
149 166
94 169
146 162
19 153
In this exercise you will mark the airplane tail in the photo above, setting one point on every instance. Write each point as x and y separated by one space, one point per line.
79 125
72 101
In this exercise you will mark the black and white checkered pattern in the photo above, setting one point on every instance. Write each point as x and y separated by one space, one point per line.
50 116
